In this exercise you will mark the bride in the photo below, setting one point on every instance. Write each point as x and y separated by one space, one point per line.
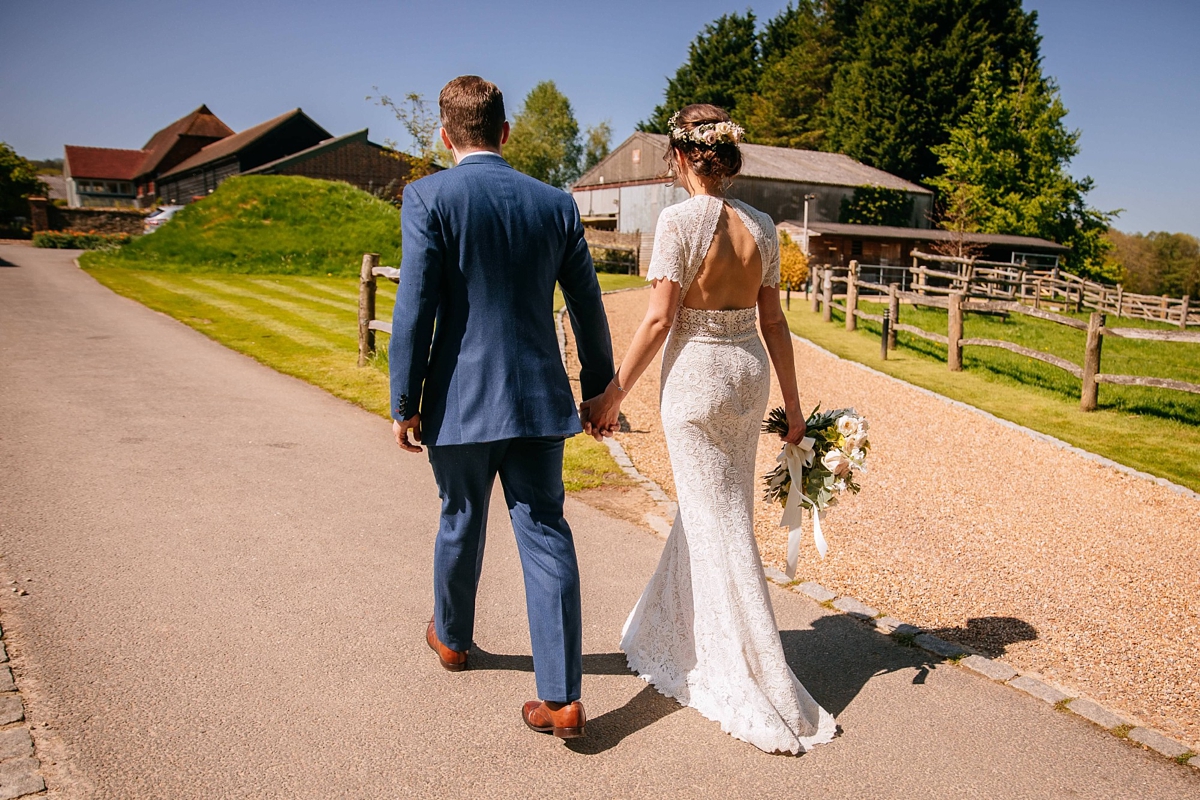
704 631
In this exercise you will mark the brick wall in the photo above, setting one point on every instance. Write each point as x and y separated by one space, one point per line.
363 165
45 217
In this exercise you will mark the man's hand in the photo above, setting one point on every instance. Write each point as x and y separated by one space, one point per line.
400 429
601 415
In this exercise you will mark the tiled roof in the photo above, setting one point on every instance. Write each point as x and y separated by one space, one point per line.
201 122
233 144
103 162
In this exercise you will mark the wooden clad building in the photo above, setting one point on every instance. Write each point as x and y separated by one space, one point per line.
351 158
268 141
627 191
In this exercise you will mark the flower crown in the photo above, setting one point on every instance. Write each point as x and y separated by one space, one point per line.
706 133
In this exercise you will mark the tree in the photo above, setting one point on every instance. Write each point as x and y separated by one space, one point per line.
426 151
722 68
905 77
800 50
793 264
544 141
1157 262
597 142
1013 149
877 205
18 182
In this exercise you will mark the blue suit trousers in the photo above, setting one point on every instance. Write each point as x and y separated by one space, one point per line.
530 471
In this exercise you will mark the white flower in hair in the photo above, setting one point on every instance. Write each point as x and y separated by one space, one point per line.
707 133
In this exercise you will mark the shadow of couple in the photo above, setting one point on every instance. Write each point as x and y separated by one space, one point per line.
834 659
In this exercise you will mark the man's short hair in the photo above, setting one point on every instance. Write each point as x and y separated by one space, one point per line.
472 111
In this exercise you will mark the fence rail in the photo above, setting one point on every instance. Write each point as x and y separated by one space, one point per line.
959 301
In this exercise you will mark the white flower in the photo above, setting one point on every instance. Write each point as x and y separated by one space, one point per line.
857 442
837 462
848 426
839 485
710 136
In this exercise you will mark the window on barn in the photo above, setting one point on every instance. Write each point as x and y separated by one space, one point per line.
856 247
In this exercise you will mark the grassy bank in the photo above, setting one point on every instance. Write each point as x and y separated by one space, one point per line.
1156 431
268 224
307 327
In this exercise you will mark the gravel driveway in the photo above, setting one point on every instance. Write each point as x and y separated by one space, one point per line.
991 538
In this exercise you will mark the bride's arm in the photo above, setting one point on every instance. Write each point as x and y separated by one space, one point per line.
601 413
778 338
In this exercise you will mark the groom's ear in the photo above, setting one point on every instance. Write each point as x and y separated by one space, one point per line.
504 133
446 139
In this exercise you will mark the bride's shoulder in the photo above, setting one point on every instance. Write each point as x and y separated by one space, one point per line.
762 218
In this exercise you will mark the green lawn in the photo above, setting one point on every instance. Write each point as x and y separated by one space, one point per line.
308 327
1156 431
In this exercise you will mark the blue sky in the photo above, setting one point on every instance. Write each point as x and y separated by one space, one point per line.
111 73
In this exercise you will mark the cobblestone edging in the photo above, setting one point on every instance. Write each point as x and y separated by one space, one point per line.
19 768
992 669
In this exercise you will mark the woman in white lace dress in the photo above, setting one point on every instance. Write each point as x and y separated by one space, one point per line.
704 631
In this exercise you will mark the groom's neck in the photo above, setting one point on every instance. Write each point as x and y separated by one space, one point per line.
459 155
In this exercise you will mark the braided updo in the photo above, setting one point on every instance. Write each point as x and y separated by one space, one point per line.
707 138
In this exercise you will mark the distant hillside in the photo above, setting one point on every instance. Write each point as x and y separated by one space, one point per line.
268 224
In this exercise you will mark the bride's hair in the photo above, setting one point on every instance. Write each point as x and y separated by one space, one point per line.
707 138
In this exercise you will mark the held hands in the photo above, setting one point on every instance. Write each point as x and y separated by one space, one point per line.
601 414
796 426
400 429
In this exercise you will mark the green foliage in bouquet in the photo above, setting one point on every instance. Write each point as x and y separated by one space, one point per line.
821 484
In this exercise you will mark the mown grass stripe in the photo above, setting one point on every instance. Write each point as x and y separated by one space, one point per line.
313 313
236 307
342 304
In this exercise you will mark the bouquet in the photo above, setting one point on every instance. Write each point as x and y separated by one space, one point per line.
825 464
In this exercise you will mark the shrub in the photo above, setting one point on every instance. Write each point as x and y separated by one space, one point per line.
793 264
80 240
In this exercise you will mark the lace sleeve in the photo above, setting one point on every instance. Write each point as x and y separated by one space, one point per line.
770 253
667 260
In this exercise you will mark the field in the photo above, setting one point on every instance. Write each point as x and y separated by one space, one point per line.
1152 430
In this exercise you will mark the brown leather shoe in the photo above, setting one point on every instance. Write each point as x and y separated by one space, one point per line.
566 723
453 660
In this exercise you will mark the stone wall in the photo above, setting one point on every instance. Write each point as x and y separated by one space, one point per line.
46 217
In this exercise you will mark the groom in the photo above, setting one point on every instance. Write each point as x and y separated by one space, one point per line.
484 388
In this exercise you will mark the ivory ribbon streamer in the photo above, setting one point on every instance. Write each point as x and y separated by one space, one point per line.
797 457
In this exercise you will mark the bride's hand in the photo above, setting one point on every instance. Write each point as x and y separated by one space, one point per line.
796 426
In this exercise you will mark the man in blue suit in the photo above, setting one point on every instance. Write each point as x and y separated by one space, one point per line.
477 377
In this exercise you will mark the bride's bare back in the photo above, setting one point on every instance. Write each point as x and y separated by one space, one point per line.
730 276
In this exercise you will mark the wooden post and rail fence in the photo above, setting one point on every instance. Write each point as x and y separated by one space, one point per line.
367 324
957 302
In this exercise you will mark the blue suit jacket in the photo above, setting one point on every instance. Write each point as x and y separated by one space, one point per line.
484 247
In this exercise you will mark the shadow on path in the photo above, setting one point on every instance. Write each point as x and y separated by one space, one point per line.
834 659
838 655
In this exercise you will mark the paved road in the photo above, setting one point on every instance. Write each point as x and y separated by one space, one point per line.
228 576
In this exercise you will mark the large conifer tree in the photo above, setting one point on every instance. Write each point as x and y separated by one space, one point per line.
907 72
722 68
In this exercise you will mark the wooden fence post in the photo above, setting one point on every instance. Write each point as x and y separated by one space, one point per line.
920 276
883 338
814 281
852 298
1037 292
1183 313
1091 361
1120 299
366 307
827 295
954 332
894 312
